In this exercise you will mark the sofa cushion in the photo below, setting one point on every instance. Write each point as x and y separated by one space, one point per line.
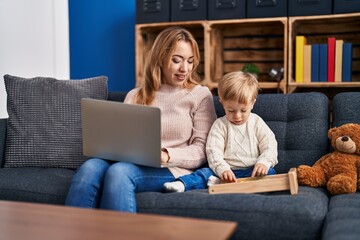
44 125
343 218
30 184
346 108
276 215
300 122
116 96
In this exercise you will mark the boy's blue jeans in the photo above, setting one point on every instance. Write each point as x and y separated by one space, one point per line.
199 178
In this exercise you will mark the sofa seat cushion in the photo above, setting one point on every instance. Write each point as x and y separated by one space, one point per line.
276 215
343 218
30 184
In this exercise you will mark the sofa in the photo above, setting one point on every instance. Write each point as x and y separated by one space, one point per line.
300 122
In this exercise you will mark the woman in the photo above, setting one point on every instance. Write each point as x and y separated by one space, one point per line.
187 113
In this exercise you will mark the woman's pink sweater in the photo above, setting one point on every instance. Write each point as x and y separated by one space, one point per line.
186 118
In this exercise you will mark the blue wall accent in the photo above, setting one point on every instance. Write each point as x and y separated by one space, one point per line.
102 41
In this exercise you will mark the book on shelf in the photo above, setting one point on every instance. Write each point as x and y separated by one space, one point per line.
347 62
315 62
338 60
299 58
323 62
307 64
331 59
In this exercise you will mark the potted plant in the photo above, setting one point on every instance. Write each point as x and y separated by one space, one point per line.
251 68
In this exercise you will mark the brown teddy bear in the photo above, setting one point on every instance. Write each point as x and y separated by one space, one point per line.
339 170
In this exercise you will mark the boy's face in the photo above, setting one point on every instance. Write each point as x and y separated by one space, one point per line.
237 113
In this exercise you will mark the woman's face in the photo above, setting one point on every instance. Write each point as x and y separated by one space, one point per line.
181 64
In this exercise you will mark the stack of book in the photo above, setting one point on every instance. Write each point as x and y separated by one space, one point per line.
328 62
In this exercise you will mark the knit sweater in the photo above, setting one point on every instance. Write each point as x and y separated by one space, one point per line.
186 118
231 146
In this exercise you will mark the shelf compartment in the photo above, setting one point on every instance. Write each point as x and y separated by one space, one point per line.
317 29
263 42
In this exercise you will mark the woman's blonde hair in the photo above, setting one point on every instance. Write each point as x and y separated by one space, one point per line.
159 56
238 86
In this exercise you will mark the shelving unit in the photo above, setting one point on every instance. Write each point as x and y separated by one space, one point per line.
317 29
226 45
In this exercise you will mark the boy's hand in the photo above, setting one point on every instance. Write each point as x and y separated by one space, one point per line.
259 170
228 175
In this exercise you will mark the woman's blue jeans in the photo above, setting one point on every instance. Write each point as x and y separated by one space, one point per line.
102 184
199 178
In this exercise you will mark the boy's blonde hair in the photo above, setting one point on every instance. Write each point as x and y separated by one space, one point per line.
238 86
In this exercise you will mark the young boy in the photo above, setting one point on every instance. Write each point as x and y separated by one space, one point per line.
239 144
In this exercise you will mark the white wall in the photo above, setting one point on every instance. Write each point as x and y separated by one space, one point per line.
34 41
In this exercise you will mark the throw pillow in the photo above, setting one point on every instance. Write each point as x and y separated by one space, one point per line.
44 125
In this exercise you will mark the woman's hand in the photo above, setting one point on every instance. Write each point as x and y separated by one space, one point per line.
259 170
164 157
228 175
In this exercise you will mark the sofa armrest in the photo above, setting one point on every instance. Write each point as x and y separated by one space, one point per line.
3 123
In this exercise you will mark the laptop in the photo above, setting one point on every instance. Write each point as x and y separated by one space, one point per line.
121 132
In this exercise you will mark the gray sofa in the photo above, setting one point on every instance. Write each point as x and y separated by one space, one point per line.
300 122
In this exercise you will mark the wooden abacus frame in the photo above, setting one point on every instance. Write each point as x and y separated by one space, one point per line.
270 183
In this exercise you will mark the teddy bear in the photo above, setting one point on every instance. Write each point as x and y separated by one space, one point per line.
339 170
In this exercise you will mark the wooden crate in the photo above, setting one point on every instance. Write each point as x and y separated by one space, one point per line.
145 35
317 29
234 43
